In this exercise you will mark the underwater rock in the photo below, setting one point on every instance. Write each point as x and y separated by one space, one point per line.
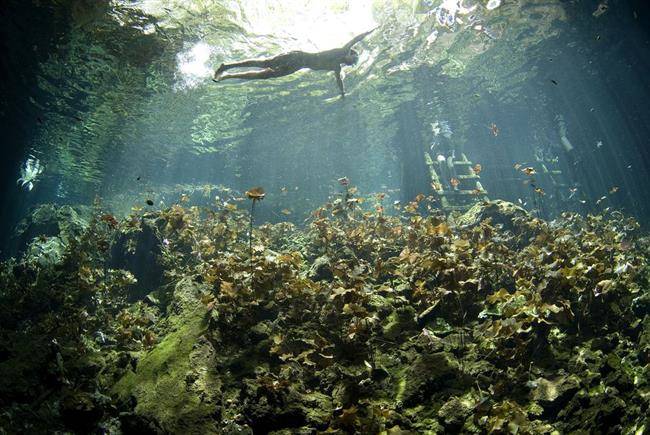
425 375
554 394
176 385
454 412
46 252
399 321
80 411
321 269
139 253
499 212
50 220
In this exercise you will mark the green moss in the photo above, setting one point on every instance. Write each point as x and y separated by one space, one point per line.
160 382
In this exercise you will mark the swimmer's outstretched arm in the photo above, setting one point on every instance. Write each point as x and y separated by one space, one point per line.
357 38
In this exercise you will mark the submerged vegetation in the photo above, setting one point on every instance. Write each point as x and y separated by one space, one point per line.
367 320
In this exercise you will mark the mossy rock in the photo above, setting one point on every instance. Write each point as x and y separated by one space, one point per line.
424 376
175 384
399 322
554 394
50 220
499 212
143 261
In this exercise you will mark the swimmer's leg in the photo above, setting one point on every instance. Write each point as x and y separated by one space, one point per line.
266 73
250 63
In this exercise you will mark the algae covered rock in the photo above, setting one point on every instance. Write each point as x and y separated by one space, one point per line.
499 212
454 412
139 252
46 252
321 269
81 411
50 220
426 374
553 394
175 385
398 322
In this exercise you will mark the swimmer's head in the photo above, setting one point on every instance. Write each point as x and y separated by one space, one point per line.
351 58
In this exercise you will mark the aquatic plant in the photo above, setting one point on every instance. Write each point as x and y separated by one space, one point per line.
492 321
255 194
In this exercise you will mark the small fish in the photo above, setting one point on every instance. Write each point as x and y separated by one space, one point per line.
517 166
597 37
529 170
477 192
138 179
284 189
285 211
599 144
540 191
343 181
454 182
601 199
477 168
39 120
494 129
572 192
554 82
149 202
614 189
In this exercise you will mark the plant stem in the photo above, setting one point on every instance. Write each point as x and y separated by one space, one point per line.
250 240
